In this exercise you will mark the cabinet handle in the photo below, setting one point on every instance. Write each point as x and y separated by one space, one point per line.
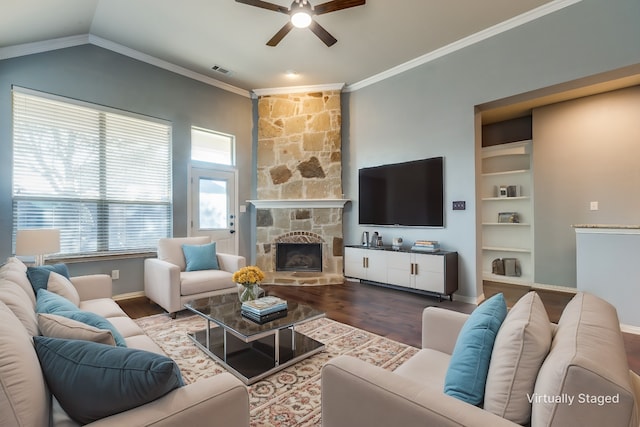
412 264
364 262
415 269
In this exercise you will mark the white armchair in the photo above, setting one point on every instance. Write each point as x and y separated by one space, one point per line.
168 284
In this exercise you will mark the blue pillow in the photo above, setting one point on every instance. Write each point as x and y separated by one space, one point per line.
95 320
201 257
469 364
39 276
92 381
48 302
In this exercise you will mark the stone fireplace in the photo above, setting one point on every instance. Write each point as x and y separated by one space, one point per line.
299 189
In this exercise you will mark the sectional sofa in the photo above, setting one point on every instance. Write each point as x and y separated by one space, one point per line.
25 397
571 374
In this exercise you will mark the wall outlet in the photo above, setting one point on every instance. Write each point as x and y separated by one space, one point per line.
593 206
115 274
459 205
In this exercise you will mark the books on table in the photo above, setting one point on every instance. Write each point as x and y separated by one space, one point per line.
266 317
426 246
264 309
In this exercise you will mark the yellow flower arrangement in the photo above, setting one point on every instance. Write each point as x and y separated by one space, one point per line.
250 275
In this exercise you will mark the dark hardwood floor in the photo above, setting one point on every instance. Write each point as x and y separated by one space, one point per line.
388 312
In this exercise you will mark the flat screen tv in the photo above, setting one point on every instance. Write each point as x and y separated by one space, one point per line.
402 194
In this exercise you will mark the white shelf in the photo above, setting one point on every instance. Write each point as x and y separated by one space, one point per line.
507 164
516 280
506 249
508 224
512 149
506 173
511 199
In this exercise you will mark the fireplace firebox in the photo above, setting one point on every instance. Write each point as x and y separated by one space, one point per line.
298 257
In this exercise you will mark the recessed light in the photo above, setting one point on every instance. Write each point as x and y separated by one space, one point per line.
291 74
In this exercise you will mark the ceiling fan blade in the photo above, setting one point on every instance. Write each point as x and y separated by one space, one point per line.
280 34
265 5
323 34
335 5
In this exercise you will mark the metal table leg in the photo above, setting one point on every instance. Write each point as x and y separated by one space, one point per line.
276 344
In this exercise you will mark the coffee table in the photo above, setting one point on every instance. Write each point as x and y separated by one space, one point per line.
249 350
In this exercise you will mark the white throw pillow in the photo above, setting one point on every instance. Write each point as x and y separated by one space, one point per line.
54 326
58 284
19 303
522 343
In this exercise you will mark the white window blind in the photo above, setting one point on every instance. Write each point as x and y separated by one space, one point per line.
102 177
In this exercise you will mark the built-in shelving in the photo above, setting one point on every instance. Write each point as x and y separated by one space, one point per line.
507 165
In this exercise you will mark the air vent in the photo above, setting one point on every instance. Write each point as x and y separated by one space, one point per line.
219 69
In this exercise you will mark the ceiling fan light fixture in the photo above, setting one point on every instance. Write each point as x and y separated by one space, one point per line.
301 19
301 14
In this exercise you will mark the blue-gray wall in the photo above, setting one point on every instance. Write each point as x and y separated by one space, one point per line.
429 111
97 75
424 112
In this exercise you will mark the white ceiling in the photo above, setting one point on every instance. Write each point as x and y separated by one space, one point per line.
198 34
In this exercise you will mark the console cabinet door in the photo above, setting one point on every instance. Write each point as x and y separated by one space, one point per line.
429 272
355 263
399 269
377 265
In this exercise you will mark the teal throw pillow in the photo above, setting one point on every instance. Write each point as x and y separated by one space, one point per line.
39 276
469 364
48 302
201 257
95 320
92 381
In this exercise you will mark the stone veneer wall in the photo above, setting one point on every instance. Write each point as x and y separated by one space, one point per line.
299 157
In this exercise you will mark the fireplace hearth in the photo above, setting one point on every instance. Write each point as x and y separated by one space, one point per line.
299 257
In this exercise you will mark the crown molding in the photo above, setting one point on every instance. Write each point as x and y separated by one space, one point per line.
502 27
72 41
161 63
42 46
298 89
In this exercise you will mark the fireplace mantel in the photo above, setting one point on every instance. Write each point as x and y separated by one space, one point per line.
299 203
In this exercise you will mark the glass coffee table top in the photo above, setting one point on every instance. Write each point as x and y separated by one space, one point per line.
251 350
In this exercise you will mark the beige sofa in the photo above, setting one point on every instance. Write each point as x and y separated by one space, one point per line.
25 401
586 362
168 284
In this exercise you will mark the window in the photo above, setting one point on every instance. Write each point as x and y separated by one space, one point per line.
102 177
212 147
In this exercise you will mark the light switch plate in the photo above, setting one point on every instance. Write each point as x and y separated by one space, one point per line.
459 205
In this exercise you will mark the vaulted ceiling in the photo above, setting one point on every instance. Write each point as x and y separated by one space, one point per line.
196 35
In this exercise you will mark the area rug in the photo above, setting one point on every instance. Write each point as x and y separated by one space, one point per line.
290 397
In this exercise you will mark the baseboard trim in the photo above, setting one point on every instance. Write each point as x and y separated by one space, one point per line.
129 295
630 329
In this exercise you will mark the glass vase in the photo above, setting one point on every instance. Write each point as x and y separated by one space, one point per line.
249 291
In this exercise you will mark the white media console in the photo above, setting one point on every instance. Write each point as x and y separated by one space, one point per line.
433 273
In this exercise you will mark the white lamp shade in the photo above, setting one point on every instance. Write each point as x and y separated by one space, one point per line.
40 241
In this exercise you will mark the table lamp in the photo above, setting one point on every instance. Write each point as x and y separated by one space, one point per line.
38 242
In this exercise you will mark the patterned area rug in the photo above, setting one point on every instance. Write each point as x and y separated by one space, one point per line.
290 397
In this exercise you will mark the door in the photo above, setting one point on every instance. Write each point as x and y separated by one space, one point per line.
213 202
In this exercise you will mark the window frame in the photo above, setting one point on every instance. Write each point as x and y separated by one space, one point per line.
104 225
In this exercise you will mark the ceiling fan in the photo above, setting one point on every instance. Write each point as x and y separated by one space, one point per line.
301 13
